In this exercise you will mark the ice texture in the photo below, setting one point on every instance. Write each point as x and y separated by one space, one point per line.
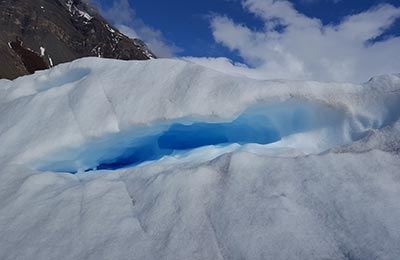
237 168
260 125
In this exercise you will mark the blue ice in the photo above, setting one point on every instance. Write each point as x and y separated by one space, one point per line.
262 124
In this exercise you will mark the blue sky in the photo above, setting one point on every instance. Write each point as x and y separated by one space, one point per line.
195 28
185 23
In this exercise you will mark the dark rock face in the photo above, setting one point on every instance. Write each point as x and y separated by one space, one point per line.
31 60
37 34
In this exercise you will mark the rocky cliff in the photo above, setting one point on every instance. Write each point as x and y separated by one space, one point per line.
38 34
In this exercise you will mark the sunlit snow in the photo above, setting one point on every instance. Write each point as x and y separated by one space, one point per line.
175 161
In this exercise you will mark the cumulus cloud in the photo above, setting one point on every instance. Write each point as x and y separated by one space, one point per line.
123 16
225 65
295 46
315 1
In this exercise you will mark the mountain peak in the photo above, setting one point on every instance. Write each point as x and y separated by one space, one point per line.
38 34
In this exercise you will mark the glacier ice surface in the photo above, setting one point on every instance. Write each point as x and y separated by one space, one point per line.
250 169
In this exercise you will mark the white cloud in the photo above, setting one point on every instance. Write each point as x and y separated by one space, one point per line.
225 65
307 49
123 16
315 1
128 31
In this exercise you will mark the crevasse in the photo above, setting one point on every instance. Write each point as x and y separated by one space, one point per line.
262 124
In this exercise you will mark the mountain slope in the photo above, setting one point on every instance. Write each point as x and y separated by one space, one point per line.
37 34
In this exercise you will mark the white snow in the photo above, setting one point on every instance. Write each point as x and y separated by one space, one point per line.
84 15
328 188
74 10
110 29
69 4
51 62
42 51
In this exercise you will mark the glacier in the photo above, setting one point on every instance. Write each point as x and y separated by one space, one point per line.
165 159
